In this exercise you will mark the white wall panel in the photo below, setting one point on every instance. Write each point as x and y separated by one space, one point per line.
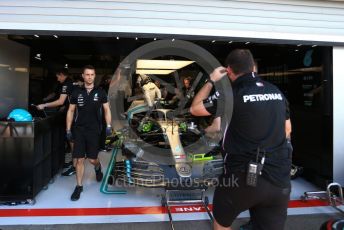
338 115
267 19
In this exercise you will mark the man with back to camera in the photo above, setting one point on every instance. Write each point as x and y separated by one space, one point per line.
65 92
254 144
86 108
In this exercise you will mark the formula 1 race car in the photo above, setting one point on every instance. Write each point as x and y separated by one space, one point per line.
160 147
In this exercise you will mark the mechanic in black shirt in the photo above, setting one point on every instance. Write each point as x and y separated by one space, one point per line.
257 128
65 91
86 106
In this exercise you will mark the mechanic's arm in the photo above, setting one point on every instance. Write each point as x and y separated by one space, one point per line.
49 97
215 126
107 114
70 115
288 128
197 107
56 103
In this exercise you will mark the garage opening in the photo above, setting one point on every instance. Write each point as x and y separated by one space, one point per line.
302 72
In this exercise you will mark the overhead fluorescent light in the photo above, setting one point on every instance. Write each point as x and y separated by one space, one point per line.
4 66
293 72
308 69
155 71
21 69
161 64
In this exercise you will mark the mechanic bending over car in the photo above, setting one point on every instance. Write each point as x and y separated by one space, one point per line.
86 109
254 143
65 91
149 89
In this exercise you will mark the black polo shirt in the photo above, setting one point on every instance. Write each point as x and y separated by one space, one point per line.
258 121
67 88
88 112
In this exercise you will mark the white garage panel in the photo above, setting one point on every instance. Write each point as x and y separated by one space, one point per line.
267 19
338 115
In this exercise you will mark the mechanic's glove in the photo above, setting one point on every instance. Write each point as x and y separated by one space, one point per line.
40 106
69 135
108 131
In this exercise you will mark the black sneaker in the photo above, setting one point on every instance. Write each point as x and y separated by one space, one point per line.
70 171
99 174
76 194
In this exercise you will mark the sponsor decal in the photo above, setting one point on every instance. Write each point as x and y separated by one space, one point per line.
80 100
96 98
262 97
184 169
260 84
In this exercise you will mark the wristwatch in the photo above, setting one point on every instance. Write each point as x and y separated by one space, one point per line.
210 81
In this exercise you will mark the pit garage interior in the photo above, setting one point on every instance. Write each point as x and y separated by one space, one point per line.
303 72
